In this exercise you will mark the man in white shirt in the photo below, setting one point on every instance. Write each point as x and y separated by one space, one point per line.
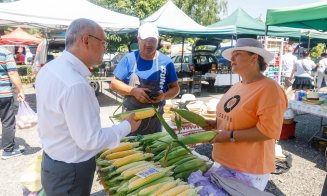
321 70
288 62
68 112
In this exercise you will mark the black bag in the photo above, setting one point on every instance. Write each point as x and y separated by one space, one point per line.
325 71
283 165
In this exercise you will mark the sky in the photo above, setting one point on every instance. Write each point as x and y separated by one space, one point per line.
255 8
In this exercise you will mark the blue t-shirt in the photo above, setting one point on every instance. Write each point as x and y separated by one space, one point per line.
146 69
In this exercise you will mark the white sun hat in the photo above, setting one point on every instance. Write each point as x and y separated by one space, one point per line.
147 30
250 45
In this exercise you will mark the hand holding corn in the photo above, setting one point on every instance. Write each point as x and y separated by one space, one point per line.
133 123
212 124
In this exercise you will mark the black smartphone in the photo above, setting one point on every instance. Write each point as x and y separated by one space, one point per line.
153 94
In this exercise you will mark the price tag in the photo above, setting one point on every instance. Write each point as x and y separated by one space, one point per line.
148 172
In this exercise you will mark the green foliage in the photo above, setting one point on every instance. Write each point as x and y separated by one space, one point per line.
204 12
316 51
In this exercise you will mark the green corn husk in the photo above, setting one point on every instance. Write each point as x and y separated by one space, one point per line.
201 137
191 117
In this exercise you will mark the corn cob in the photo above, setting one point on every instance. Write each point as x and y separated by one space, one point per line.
162 153
174 154
185 159
205 136
125 146
139 114
131 158
195 163
131 172
121 154
105 153
143 181
191 117
126 167
176 190
164 179
190 191
177 159
150 189
185 174
167 186
154 136
102 163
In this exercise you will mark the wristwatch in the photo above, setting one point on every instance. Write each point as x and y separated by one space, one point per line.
231 137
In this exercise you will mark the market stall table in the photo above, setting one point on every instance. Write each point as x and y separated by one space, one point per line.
301 108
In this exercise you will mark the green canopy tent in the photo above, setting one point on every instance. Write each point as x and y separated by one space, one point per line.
310 16
241 24
172 21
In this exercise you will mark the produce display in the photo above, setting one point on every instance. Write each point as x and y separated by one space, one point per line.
151 165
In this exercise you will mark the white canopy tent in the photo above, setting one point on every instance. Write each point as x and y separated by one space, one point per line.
58 14
170 19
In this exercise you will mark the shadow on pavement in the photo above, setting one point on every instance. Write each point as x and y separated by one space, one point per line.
99 193
272 188
306 126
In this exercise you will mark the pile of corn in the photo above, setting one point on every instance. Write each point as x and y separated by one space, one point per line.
120 168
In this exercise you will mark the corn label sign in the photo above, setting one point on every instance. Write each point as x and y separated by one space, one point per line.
148 172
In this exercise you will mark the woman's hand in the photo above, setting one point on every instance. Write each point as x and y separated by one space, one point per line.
212 124
222 136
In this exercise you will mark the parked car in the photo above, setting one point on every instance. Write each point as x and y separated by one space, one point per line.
183 65
204 54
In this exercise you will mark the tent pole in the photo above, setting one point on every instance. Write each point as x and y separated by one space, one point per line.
298 51
182 59
308 43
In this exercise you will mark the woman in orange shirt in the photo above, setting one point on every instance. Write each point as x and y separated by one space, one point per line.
249 117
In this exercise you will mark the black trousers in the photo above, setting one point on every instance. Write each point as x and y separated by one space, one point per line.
60 178
7 115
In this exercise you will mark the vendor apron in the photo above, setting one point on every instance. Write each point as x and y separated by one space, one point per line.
148 125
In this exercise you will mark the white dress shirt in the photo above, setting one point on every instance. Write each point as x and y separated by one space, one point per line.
288 62
68 112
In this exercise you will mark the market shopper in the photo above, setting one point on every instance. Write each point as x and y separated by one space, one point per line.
9 77
249 118
321 70
288 62
302 73
146 77
68 113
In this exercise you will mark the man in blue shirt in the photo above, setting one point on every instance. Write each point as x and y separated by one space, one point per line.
146 77
9 77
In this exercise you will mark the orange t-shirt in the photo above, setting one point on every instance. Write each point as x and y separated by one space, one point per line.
259 104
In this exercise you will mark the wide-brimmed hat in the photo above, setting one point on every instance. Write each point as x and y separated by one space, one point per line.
250 45
147 30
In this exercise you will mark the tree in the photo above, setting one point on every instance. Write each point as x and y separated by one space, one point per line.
204 12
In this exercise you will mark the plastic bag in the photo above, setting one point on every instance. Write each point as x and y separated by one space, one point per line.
31 178
26 117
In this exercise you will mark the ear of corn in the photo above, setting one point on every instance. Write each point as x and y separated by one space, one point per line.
195 163
190 192
150 189
124 146
185 174
176 190
201 137
179 158
105 153
165 187
191 117
160 180
143 181
131 172
174 154
185 159
121 154
131 158
139 114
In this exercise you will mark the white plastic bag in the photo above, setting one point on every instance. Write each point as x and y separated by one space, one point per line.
26 117
31 178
